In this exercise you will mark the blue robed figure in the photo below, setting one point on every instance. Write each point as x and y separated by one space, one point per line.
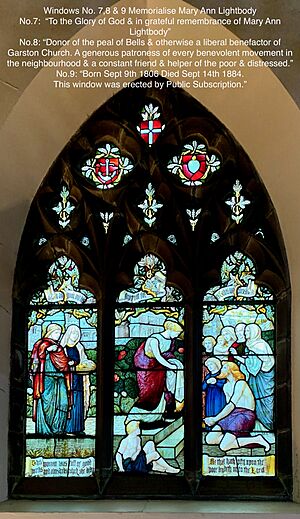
213 388
75 421
259 370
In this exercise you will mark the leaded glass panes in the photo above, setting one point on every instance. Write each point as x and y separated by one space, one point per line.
238 281
63 285
237 203
151 126
149 376
155 253
194 165
64 208
150 206
150 283
62 387
106 169
106 219
193 215
238 374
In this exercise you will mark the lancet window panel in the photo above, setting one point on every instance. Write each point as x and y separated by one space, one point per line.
239 372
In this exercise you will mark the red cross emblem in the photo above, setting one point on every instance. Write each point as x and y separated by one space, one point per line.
150 131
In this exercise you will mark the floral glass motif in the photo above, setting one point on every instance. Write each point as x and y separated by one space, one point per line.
150 206
61 391
150 283
238 374
64 208
149 376
151 126
194 165
237 203
193 215
106 169
106 218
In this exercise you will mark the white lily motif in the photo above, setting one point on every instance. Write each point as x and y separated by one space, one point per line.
193 215
237 202
106 218
150 112
150 206
64 208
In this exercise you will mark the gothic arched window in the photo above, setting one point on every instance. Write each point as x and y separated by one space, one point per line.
150 343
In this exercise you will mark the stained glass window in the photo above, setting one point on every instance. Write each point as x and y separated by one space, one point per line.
64 208
106 168
238 374
194 164
62 388
151 125
238 281
149 374
150 344
150 206
237 203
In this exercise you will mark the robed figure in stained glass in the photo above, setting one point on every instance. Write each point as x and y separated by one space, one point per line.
232 426
160 376
75 422
213 387
258 366
50 369
80 385
132 457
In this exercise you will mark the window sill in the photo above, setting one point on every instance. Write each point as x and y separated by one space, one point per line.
87 509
